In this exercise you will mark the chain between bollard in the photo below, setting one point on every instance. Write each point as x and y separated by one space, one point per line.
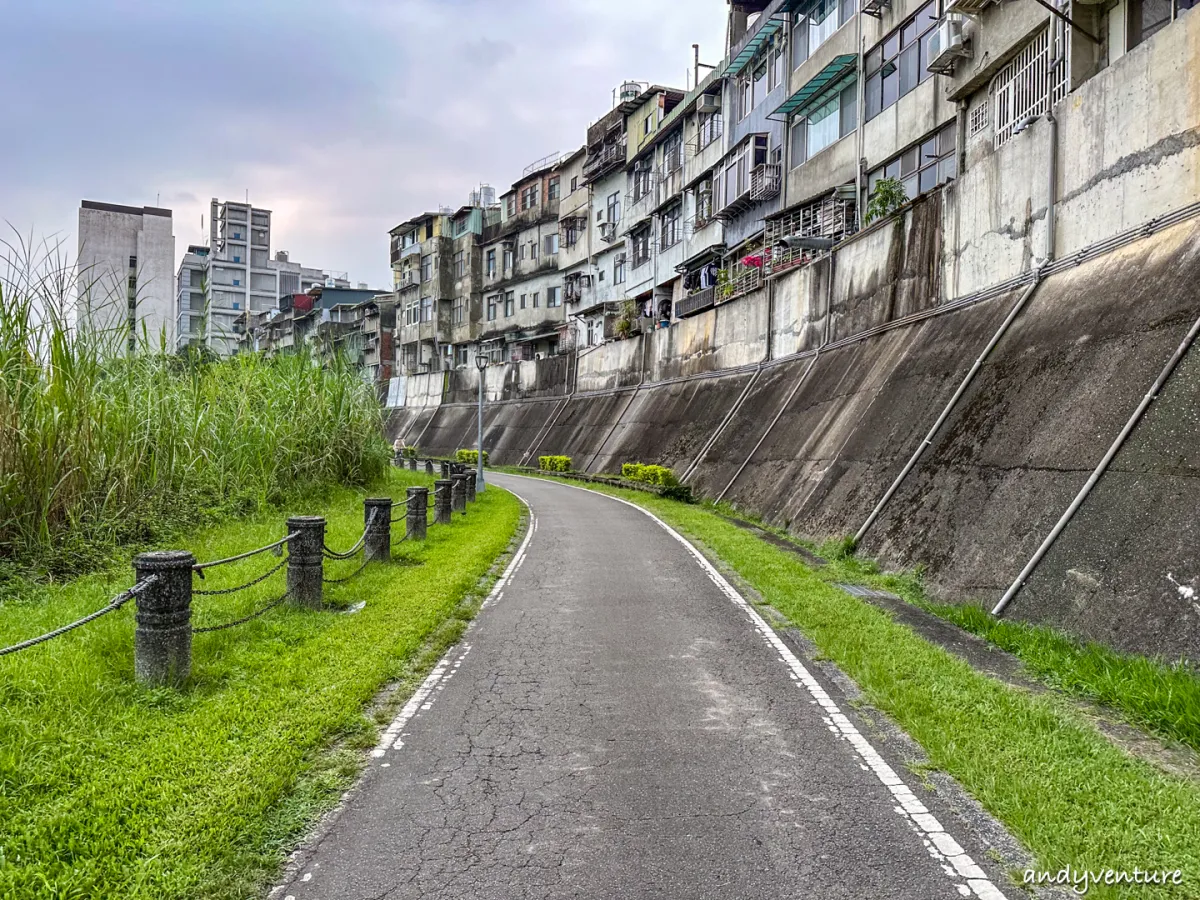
115 603
242 621
248 584
358 545
353 574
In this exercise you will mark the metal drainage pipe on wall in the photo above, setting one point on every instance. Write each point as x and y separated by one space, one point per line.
941 420
1100 469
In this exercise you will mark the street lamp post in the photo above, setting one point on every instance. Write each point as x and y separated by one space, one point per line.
481 362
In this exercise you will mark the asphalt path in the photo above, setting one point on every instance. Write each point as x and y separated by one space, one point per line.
620 723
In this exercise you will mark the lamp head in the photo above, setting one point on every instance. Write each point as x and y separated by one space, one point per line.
481 361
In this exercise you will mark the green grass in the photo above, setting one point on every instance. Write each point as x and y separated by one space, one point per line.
1069 794
111 790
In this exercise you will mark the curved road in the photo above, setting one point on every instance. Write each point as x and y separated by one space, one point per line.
620 723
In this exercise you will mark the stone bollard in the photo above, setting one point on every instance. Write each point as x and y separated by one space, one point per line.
378 545
412 463
441 501
417 517
305 565
429 467
446 470
162 639
458 493
471 476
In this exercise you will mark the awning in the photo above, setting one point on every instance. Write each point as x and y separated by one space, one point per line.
537 337
751 47
816 89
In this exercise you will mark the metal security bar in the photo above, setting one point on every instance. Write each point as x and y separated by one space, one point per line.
1020 90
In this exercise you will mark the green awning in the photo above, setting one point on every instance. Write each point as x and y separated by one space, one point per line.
752 46
816 89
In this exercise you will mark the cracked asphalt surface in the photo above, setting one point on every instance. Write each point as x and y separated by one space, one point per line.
614 726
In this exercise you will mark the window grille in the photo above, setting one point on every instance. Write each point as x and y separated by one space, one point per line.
1019 91
979 118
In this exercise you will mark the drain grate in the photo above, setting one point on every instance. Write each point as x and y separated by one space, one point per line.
866 593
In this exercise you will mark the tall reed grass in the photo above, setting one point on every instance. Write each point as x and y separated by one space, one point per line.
101 447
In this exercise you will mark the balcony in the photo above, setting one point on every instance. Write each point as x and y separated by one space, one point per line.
696 303
600 163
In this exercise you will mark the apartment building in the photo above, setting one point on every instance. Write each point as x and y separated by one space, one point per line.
596 305
125 263
466 312
523 314
423 269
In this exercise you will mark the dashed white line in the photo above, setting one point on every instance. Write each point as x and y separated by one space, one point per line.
940 845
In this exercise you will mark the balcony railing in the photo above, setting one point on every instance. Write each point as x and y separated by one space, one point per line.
696 303
609 155
765 181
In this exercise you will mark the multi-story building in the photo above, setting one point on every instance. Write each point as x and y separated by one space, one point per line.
524 316
603 175
378 338
422 252
466 312
125 273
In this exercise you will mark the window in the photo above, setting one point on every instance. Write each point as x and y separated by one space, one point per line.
922 167
237 235
648 125
133 262
745 95
552 189
600 275
533 250
550 244
734 173
535 299
237 259
673 153
523 297
900 61
641 247
237 282
704 202
510 206
1146 17
574 183
491 307
619 269
508 259
529 197
459 312
523 251
508 304
760 83
776 72
412 312
426 268
834 119
460 264
554 296
428 230
1019 90
978 119
642 179
799 139
669 230
491 264
426 309
709 129
614 208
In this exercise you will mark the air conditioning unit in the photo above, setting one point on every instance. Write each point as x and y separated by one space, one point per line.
946 45
709 103
608 232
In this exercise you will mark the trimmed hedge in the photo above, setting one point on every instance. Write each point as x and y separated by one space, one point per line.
650 474
470 456
554 463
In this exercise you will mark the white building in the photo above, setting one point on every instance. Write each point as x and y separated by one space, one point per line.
126 260
220 286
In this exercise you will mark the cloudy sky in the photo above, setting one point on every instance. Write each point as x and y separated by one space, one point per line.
344 117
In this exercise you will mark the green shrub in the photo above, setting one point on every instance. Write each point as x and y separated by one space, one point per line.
554 463
471 457
410 452
680 492
660 476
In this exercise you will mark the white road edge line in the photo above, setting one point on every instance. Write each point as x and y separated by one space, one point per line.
422 699
954 861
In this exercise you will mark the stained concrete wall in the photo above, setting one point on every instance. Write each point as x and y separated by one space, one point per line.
1014 451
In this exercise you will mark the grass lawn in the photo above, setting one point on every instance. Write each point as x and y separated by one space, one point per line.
1032 760
111 790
